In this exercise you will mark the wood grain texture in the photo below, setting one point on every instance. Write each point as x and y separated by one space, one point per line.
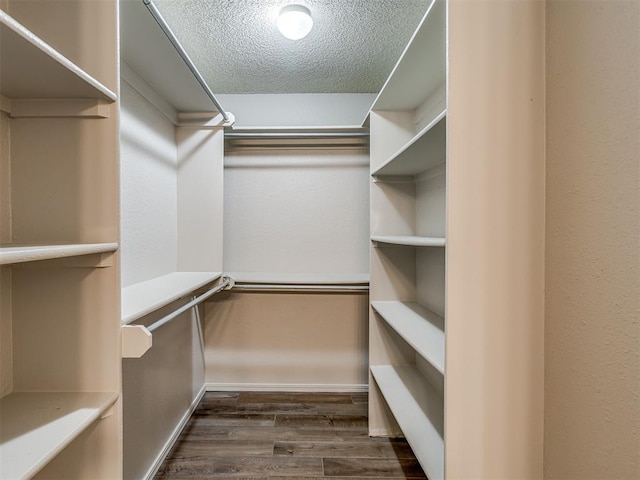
271 436
367 467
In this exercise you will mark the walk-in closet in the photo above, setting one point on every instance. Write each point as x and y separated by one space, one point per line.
372 243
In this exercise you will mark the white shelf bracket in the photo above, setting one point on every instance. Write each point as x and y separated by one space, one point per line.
136 340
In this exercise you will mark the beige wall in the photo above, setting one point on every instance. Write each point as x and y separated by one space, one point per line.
592 371
278 341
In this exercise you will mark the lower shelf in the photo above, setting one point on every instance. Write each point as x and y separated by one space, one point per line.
35 427
419 410
145 297
409 241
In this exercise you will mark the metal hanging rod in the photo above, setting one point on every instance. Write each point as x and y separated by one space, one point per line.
155 13
300 288
226 281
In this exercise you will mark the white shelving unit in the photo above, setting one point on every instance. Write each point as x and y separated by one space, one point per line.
143 298
60 408
457 162
408 191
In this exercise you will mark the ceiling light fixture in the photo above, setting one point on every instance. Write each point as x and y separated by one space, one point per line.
295 22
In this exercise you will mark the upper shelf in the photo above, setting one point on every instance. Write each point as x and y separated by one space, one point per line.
35 427
30 253
145 297
32 69
148 51
421 68
301 278
424 151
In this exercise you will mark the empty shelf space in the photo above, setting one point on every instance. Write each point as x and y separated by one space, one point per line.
31 68
421 68
424 151
301 278
145 297
419 410
409 240
418 326
35 427
29 253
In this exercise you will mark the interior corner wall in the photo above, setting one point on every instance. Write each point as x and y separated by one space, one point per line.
288 212
298 109
592 351
148 173
159 388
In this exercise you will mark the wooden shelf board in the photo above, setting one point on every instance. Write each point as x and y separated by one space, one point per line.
411 241
424 151
145 297
31 68
419 410
35 427
418 326
10 254
421 68
301 278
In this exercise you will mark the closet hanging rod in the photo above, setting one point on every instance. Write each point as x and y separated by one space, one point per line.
300 288
226 281
155 13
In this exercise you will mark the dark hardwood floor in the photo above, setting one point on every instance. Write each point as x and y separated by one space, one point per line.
306 436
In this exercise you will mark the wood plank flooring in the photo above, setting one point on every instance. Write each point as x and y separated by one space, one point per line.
271 436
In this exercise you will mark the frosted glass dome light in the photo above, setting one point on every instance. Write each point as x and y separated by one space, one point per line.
295 21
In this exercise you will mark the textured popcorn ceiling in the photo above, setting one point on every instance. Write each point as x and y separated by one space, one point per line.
352 48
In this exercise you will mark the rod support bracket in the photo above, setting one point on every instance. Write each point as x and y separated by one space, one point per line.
136 340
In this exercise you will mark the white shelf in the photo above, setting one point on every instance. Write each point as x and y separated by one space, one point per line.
411 241
30 253
424 151
421 68
30 68
418 326
35 427
143 298
146 48
301 278
419 411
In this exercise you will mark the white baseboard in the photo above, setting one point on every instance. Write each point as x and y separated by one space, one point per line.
286 387
175 435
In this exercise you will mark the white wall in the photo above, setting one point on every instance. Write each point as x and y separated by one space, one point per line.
148 166
295 211
592 350
309 109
